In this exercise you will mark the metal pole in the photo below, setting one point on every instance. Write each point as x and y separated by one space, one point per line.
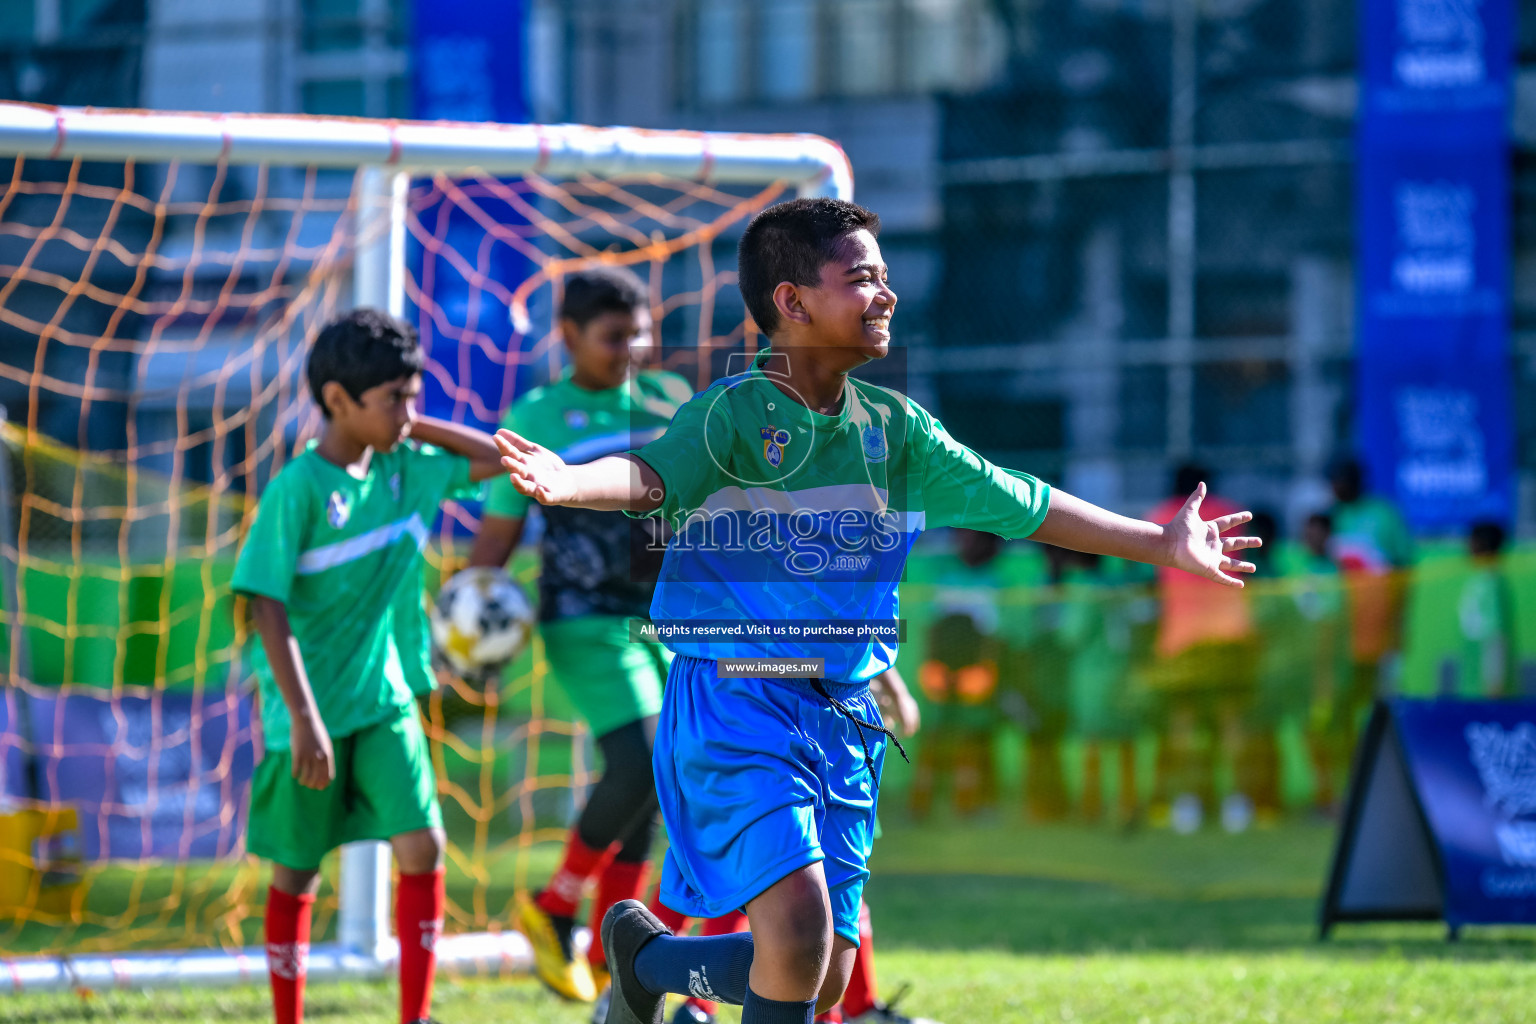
1181 230
378 280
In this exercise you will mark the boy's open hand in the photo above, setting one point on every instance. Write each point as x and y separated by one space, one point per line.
536 472
1198 546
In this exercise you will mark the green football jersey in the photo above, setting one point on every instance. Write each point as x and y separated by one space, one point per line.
592 562
787 515
1370 534
1485 612
338 551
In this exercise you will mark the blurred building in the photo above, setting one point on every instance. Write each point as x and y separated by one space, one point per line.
1121 230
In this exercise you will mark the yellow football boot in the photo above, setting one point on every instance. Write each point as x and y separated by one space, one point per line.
568 976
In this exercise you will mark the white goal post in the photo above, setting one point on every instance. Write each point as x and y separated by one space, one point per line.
389 153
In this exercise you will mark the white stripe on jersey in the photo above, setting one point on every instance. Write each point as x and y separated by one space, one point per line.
329 556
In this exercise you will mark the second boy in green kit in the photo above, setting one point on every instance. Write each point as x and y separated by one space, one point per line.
598 570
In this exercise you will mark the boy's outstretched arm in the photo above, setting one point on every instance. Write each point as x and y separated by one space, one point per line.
1186 542
614 483
474 445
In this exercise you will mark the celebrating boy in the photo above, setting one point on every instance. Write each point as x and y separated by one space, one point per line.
796 492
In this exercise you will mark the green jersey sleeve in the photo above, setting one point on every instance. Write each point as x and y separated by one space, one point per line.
501 497
450 474
960 488
685 459
271 551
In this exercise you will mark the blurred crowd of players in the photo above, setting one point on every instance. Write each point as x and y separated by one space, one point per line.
1152 697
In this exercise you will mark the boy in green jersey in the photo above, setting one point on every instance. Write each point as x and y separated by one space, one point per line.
327 566
1374 550
1485 614
797 491
598 571
1108 626
1297 601
960 676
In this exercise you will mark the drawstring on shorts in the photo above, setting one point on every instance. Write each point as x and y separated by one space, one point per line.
860 725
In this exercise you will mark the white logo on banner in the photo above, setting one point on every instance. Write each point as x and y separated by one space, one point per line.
1506 763
1442 443
1440 44
1436 241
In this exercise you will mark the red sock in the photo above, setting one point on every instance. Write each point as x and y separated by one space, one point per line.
679 923
561 896
418 922
620 880
288 952
832 1016
859 996
725 924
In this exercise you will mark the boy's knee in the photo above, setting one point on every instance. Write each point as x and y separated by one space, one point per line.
420 852
803 935
295 881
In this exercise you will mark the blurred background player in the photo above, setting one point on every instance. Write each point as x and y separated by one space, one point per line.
598 570
1106 627
1298 611
1305 636
1485 619
1373 548
1039 661
959 678
337 538
1202 673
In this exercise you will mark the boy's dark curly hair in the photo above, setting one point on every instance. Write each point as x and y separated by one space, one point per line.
361 350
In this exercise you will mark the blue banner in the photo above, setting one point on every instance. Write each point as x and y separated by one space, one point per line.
470 65
1473 766
1434 418
162 777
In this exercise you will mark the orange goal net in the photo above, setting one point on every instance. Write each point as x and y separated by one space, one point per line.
160 279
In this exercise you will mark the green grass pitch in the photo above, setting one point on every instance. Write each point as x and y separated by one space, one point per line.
1006 922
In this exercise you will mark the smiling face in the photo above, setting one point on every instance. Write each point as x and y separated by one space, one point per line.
606 348
382 417
851 308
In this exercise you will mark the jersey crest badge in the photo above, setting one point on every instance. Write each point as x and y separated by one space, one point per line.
873 439
394 485
338 509
576 419
773 445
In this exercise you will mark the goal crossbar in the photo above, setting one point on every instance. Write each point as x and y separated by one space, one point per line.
813 164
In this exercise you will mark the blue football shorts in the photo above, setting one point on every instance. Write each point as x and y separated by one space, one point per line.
758 778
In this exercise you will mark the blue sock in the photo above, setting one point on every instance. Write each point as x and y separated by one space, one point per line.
757 1010
712 967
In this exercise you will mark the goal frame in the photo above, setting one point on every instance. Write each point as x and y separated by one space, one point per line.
389 153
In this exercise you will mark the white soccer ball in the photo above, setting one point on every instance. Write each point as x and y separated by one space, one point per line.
480 622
